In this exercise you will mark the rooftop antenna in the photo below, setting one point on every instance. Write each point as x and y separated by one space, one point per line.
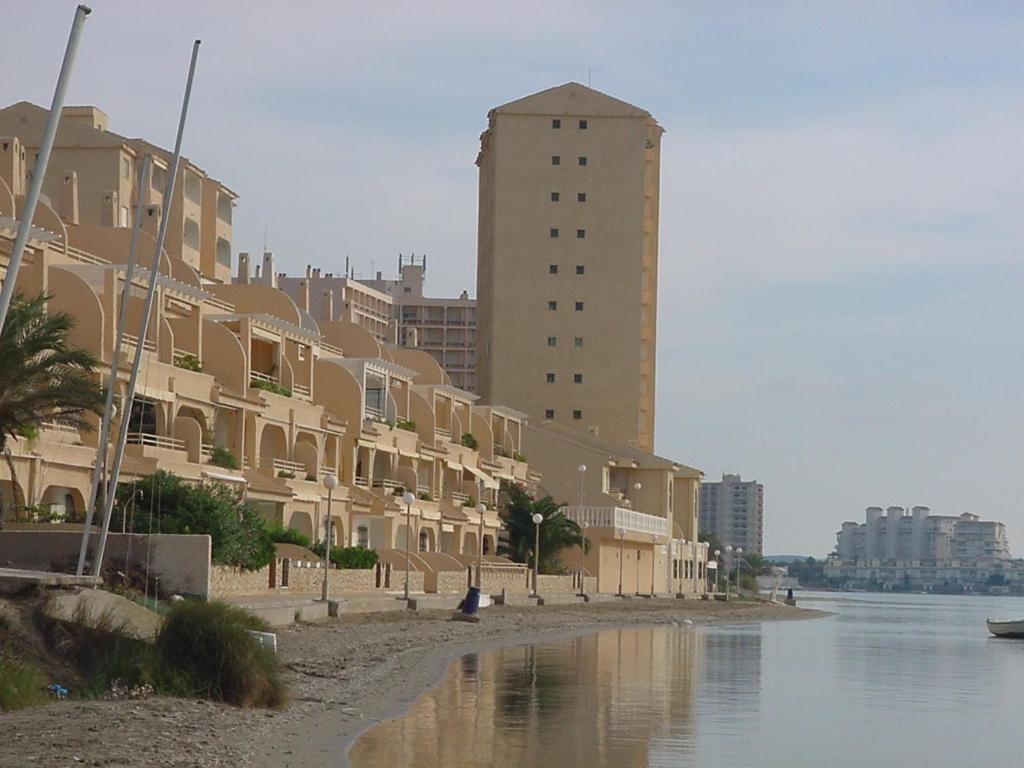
590 75
42 159
265 228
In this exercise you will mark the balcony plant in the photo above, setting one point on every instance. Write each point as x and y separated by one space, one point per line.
189 362
284 473
469 441
407 424
223 458
424 496
271 386
500 451
42 376
517 456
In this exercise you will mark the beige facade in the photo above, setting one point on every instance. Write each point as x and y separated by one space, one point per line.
568 261
92 181
638 511
445 328
242 367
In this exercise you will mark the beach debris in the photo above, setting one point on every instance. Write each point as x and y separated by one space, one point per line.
58 690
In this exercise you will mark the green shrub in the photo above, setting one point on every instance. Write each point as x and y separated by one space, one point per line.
21 685
500 451
188 362
222 457
270 386
424 496
469 441
519 456
407 424
286 474
282 535
355 558
238 535
205 650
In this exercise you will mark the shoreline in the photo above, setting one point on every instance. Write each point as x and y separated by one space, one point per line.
345 675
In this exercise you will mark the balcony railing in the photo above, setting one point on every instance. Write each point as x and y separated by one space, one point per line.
55 427
155 441
442 432
148 344
294 467
383 482
326 470
618 517
423 489
461 498
301 390
330 349
264 377
362 481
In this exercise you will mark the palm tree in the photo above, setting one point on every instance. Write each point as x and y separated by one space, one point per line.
557 532
42 377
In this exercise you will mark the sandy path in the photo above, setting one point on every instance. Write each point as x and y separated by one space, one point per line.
345 675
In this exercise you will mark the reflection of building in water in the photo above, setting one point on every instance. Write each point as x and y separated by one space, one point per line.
599 700
731 671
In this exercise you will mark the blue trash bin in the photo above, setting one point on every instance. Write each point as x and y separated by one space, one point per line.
472 602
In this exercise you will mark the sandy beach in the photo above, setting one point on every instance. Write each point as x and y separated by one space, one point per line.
345 675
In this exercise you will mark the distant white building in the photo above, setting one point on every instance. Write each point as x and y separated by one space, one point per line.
896 535
733 510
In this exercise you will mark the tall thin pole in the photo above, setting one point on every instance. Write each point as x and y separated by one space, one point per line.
536 555
622 536
42 160
408 538
327 547
115 362
154 272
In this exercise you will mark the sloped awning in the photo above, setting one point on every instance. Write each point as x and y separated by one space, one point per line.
487 480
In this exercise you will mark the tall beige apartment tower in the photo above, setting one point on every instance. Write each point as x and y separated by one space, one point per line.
568 261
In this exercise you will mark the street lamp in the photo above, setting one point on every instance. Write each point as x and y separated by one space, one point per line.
537 518
739 561
330 483
480 509
718 567
583 556
728 559
408 498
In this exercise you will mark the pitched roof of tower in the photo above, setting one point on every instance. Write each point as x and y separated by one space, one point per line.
571 98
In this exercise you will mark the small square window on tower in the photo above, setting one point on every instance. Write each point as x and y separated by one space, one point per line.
551 378
578 341
579 306
553 232
552 269
556 123
552 341
582 160
577 378
581 197
583 125
577 415
580 269
580 234
554 197
556 160
549 413
552 305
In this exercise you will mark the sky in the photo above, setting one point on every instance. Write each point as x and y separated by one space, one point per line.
840 284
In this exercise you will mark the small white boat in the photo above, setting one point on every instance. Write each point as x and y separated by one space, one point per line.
1009 629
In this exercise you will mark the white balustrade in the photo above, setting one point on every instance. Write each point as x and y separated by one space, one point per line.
618 517
155 441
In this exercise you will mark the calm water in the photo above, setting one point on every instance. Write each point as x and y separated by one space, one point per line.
908 680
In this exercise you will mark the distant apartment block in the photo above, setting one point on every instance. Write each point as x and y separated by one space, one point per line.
92 182
445 328
897 534
567 267
329 296
733 510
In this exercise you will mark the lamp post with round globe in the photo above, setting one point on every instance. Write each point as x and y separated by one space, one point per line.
330 483
728 568
739 562
718 567
537 518
408 498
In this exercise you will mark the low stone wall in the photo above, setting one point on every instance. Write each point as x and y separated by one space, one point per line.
182 562
549 584
495 578
452 582
227 581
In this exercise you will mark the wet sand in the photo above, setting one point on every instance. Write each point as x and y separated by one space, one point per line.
345 674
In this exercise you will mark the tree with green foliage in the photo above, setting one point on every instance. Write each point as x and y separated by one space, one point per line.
42 376
358 558
281 534
557 532
165 503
